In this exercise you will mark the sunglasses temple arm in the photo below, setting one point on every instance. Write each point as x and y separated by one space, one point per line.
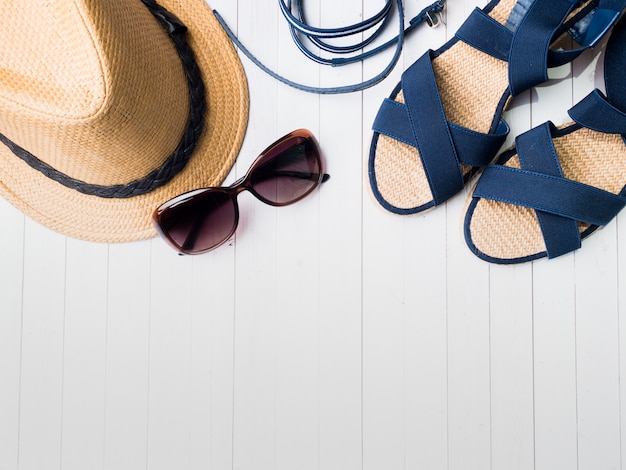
305 175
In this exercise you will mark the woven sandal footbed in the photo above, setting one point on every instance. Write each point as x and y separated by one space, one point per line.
505 233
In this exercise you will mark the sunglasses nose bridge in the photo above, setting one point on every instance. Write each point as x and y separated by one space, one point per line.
239 186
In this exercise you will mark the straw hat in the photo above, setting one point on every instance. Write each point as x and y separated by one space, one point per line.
105 113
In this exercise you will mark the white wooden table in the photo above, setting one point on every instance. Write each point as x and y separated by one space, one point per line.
330 334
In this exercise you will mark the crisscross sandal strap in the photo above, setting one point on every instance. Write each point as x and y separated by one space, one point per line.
559 203
442 146
528 58
471 147
525 44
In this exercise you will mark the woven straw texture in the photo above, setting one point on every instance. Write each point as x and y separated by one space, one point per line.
96 90
471 85
506 231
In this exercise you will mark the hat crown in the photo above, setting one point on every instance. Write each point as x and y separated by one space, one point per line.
93 88
43 70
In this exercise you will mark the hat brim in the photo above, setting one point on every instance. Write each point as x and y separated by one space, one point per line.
110 220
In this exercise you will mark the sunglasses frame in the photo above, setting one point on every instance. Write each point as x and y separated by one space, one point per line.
242 184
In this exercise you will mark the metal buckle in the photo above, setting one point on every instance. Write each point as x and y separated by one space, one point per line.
433 15
433 19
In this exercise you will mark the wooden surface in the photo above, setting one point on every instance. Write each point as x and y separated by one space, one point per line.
330 334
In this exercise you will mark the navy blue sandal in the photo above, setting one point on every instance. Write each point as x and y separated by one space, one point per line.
443 120
558 185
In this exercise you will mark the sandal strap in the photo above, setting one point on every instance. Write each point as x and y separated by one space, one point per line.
594 26
530 51
472 148
559 202
596 113
430 129
442 146
485 34
526 46
531 42
588 31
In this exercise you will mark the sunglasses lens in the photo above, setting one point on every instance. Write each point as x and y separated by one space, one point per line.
287 171
199 221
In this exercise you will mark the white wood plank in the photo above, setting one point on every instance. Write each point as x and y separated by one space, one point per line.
255 248
425 343
383 298
512 386
255 371
597 355
621 299
552 99
597 359
297 279
127 356
383 326
469 396
41 391
555 364
84 354
212 360
11 282
340 295
169 410
255 348
339 342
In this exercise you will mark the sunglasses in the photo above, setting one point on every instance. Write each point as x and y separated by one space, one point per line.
203 219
